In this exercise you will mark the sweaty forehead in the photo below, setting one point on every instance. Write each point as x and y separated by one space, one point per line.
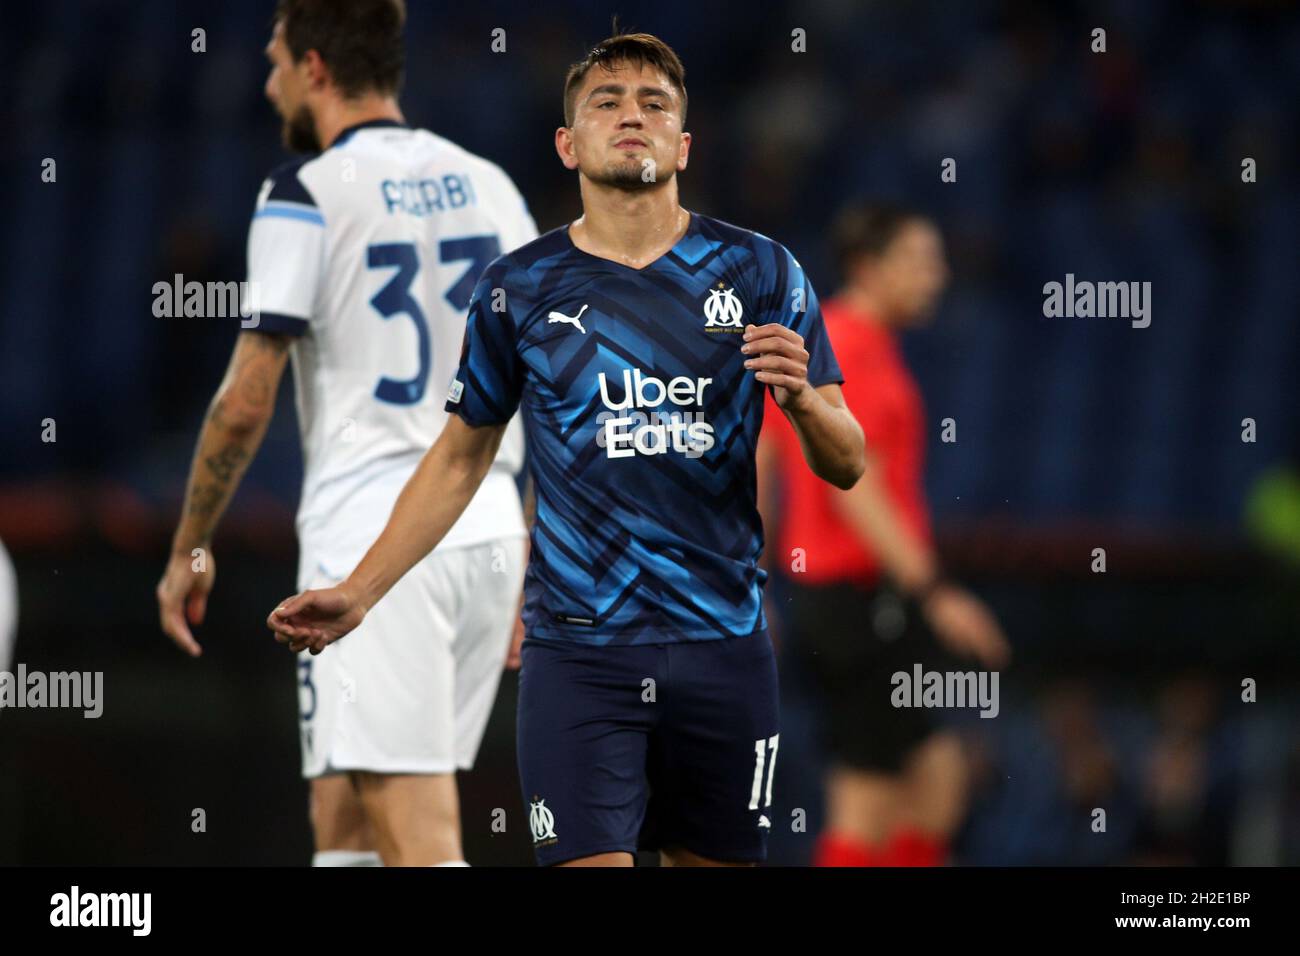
625 74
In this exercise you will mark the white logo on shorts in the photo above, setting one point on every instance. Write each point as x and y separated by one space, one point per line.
542 822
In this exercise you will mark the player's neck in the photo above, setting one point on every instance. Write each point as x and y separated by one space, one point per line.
633 228
334 116
866 306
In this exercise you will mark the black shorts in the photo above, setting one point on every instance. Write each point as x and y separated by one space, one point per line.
609 762
848 642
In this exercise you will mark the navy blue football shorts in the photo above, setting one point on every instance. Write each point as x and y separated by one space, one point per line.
650 746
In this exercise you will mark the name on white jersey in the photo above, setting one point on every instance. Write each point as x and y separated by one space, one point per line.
424 197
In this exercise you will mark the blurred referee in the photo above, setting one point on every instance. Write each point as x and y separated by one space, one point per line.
868 597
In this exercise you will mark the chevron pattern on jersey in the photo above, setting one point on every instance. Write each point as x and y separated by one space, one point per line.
642 422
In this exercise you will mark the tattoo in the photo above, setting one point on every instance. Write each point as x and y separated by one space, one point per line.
259 358
205 499
255 391
258 372
226 462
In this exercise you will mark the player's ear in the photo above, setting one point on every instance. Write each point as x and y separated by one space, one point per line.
313 70
683 151
564 147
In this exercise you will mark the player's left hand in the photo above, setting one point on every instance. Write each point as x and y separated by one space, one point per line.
183 597
777 357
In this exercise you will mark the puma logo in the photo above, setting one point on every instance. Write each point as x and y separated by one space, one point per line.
570 319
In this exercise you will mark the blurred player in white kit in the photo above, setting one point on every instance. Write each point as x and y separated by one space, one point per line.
362 259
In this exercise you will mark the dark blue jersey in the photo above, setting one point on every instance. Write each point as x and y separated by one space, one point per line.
642 422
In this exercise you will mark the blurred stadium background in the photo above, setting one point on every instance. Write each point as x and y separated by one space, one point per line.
1072 433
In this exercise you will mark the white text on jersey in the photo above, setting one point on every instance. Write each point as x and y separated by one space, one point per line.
661 430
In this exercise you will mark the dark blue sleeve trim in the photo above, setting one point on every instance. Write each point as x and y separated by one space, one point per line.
287 187
835 378
469 418
278 323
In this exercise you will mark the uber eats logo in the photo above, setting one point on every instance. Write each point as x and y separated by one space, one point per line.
653 417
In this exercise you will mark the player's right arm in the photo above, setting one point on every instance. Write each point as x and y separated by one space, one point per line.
286 252
232 432
434 497
483 397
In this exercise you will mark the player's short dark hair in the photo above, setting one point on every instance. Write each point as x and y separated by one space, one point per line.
867 229
359 40
636 49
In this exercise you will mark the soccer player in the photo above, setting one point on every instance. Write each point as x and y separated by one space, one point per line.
639 340
363 257
870 599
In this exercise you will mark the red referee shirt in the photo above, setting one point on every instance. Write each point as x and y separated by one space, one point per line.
884 398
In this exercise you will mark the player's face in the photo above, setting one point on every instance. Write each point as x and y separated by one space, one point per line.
627 128
286 89
913 272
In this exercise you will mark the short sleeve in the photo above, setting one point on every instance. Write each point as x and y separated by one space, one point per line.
286 251
791 300
489 380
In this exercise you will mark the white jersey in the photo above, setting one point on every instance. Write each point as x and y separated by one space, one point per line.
369 253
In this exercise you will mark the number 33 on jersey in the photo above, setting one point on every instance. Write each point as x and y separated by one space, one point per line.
369 252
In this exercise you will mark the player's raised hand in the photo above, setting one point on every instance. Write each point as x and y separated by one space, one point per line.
777 357
183 597
315 619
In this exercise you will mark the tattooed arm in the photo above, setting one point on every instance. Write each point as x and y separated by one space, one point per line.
232 431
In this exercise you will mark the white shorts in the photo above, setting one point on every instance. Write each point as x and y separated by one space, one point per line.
411 689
